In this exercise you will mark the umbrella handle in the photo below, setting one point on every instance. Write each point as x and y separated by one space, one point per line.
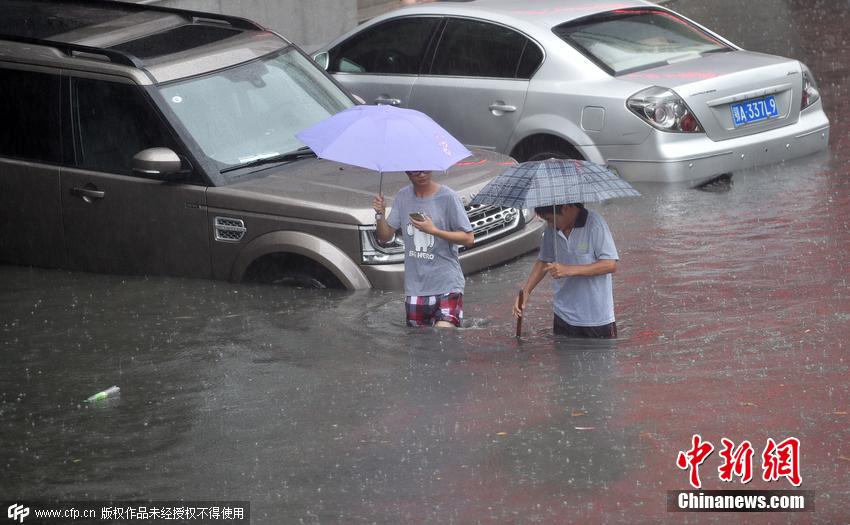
381 183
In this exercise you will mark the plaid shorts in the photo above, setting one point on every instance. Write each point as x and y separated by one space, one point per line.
425 310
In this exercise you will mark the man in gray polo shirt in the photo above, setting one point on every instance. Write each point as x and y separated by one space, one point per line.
579 252
433 223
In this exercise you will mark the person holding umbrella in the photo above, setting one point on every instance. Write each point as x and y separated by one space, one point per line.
577 249
433 224
586 258
431 216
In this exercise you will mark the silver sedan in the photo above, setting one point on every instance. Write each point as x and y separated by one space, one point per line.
630 84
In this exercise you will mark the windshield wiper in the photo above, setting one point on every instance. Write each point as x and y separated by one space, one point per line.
271 159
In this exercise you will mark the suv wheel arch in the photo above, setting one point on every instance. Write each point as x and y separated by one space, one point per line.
287 269
294 246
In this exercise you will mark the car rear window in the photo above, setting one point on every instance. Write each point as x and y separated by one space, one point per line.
628 40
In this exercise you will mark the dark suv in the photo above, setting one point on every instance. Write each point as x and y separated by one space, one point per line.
147 140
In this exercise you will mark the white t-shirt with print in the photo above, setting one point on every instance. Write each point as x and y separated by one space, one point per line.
431 265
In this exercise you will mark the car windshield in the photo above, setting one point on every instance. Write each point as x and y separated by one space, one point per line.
243 114
629 40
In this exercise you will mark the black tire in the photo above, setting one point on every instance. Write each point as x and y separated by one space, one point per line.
545 147
291 270
299 279
550 154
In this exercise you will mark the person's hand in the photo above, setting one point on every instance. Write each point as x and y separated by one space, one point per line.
557 270
426 226
379 205
518 308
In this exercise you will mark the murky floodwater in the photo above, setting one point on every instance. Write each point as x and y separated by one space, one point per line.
321 407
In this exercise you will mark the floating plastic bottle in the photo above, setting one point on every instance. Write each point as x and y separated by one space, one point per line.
109 392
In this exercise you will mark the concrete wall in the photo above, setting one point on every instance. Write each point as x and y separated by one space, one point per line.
746 27
308 23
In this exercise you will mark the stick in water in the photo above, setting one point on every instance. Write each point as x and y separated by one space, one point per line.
519 319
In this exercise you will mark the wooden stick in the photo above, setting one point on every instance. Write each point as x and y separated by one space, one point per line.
519 319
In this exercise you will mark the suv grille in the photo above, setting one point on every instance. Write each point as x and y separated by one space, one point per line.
229 230
489 222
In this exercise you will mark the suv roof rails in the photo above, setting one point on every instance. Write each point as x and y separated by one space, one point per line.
122 57
193 16
115 56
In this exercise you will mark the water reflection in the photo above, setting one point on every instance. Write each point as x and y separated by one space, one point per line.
322 407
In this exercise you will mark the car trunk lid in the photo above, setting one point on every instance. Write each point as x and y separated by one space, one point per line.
716 85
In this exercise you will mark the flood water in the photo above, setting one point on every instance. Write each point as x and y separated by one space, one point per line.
733 310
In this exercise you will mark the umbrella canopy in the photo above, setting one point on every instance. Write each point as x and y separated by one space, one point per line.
553 181
384 138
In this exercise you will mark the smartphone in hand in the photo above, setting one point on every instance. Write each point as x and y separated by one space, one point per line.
417 216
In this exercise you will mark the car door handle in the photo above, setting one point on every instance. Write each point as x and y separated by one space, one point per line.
384 99
88 194
504 108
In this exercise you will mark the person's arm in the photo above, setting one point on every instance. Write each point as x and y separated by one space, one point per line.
384 231
461 237
600 267
604 251
538 272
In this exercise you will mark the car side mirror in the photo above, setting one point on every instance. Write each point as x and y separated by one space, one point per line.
323 59
157 163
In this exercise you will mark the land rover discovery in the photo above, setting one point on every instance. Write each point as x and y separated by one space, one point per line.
147 140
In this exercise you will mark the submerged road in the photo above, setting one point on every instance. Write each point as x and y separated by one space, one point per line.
321 407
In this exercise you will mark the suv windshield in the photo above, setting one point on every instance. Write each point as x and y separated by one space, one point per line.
252 111
629 40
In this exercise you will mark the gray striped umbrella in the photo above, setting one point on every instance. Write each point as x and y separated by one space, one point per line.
553 181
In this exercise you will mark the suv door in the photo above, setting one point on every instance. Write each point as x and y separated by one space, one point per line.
118 222
477 84
381 64
30 153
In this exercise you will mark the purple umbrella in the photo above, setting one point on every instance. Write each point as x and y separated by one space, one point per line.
384 138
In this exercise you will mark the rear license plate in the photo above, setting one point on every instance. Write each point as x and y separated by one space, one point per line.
754 110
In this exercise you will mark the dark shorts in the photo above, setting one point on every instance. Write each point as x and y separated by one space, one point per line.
425 310
606 331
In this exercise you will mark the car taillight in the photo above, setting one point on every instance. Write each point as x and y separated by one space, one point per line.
664 109
810 90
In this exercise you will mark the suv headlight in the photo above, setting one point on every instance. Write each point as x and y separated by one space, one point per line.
374 252
810 89
664 109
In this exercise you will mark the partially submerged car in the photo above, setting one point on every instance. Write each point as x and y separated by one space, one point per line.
630 84
146 140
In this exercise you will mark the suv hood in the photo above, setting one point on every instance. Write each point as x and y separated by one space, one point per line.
317 189
710 84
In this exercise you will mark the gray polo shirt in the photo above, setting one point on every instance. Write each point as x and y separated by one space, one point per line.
431 265
582 301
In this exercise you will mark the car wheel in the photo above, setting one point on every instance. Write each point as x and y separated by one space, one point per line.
553 154
300 280
291 270
545 147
